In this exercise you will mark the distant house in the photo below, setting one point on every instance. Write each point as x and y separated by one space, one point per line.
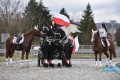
72 28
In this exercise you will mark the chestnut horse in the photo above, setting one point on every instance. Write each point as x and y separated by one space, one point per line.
99 49
25 45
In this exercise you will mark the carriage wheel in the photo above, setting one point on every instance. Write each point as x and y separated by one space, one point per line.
42 58
63 59
39 59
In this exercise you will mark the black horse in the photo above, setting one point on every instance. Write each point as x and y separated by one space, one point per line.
49 47
64 47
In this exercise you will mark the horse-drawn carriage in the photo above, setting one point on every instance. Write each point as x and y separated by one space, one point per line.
59 46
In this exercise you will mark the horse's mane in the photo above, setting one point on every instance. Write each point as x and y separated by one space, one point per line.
97 34
61 30
27 33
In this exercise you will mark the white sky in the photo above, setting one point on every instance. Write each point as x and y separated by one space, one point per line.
103 10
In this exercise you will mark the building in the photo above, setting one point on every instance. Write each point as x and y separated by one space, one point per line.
72 28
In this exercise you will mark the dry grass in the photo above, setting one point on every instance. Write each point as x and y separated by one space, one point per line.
89 56
118 65
15 58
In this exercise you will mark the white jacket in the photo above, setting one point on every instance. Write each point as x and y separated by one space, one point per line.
102 32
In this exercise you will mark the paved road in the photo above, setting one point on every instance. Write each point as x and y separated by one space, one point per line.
82 69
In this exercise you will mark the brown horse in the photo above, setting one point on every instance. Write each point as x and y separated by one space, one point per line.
25 45
99 49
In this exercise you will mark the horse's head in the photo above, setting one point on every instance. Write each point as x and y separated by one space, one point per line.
93 35
37 32
60 36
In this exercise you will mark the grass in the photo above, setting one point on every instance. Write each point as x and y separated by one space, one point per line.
89 56
118 65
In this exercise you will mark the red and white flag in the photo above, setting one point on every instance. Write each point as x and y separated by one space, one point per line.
61 20
75 44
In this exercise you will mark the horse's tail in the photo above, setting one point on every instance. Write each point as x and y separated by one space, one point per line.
114 53
113 49
7 48
9 53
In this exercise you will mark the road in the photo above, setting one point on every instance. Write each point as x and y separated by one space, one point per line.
82 69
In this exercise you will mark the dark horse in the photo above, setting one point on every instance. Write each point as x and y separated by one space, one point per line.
25 45
64 47
55 44
48 47
98 48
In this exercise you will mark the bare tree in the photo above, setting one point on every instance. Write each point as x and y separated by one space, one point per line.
10 15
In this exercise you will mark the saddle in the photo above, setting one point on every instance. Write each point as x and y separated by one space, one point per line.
18 39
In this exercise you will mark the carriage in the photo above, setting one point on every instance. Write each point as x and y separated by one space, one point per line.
57 47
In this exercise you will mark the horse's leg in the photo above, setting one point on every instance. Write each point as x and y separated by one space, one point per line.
110 56
59 58
70 59
11 55
95 53
100 55
27 53
105 52
45 58
22 58
51 63
7 52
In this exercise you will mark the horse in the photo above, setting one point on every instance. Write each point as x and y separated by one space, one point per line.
98 48
25 46
64 47
56 43
49 47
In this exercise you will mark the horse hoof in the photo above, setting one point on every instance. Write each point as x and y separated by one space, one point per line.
45 65
106 65
51 65
70 65
66 65
38 66
59 65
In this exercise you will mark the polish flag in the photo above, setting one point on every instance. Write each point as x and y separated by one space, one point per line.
61 20
75 43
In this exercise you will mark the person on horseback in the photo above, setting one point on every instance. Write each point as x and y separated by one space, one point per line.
18 37
103 34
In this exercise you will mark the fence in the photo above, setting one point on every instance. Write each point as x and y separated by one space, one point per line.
83 49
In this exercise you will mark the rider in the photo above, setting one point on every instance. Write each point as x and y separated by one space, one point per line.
52 29
18 36
103 34
53 26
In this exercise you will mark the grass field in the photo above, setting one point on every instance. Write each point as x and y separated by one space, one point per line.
118 65
89 56
15 58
